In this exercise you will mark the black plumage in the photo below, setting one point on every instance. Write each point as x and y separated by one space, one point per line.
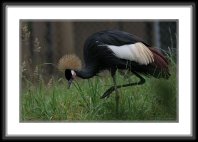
98 58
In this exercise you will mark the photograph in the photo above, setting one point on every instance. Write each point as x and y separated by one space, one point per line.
104 70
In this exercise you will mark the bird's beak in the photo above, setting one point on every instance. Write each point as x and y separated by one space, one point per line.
69 83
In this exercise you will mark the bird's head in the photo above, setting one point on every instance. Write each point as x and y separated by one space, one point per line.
69 64
70 76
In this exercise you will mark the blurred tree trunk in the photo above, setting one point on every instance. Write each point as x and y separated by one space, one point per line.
38 41
64 39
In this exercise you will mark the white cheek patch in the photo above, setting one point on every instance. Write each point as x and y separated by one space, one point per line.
137 52
73 73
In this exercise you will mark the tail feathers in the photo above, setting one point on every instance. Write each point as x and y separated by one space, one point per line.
157 69
160 65
155 52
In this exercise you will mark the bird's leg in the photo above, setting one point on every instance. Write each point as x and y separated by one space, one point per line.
113 72
117 94
111 89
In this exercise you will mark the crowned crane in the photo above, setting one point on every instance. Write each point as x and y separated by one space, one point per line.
112 50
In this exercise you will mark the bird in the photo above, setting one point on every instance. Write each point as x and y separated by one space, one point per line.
111 50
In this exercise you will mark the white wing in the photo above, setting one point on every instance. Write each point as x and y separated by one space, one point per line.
137 52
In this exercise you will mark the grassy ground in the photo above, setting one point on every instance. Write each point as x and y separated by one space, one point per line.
156 100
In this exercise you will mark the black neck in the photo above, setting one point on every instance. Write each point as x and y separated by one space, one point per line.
86 73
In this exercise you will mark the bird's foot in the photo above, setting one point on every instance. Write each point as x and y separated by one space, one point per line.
107 93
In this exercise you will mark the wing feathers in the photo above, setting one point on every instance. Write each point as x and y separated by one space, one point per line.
137 52
146 60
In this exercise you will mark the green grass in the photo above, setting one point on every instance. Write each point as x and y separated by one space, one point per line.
154 101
